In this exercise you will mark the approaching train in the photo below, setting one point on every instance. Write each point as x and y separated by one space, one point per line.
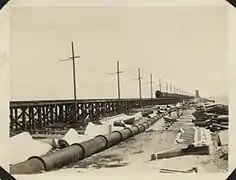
160 94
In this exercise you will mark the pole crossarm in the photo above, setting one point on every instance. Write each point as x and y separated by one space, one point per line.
70 58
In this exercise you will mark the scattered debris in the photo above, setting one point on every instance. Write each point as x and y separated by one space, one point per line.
137 152
223 135
169 119
213 117
63 144
153 115
223 142
192 170
189 141
119 123
153 157
147 112
224 152
217 109
190 150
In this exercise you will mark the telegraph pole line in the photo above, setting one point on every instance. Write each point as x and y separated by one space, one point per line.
73 57
151 89
74 80
140 88
160 84
167 87
118 72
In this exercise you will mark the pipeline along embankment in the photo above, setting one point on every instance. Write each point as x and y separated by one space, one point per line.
79 151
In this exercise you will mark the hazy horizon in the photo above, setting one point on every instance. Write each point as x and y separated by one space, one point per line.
185 46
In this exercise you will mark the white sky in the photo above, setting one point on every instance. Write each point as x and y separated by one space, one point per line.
186 46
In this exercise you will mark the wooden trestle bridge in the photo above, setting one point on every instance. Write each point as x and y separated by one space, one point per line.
35 116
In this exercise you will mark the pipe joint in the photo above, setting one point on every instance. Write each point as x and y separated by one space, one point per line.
104 137
82 147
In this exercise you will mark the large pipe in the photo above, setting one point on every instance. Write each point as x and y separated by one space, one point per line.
79 151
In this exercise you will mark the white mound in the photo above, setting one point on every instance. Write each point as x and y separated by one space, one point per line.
93 130
112 119
23 146
72 137
138 116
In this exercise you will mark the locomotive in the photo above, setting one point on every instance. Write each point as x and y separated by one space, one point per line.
160 94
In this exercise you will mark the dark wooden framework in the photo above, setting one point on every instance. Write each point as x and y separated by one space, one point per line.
33 116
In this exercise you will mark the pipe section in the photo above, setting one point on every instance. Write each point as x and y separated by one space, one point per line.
114 138
134 130
76 152
31 166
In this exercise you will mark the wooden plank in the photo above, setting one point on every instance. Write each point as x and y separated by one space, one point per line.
190 150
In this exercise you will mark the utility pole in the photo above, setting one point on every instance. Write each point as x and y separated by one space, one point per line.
118 72
160 83
151 90
73 57
140 88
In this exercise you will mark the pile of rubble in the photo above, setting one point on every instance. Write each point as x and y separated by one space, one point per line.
190 139
213 117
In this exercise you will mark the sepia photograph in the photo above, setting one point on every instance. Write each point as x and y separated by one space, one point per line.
97 90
